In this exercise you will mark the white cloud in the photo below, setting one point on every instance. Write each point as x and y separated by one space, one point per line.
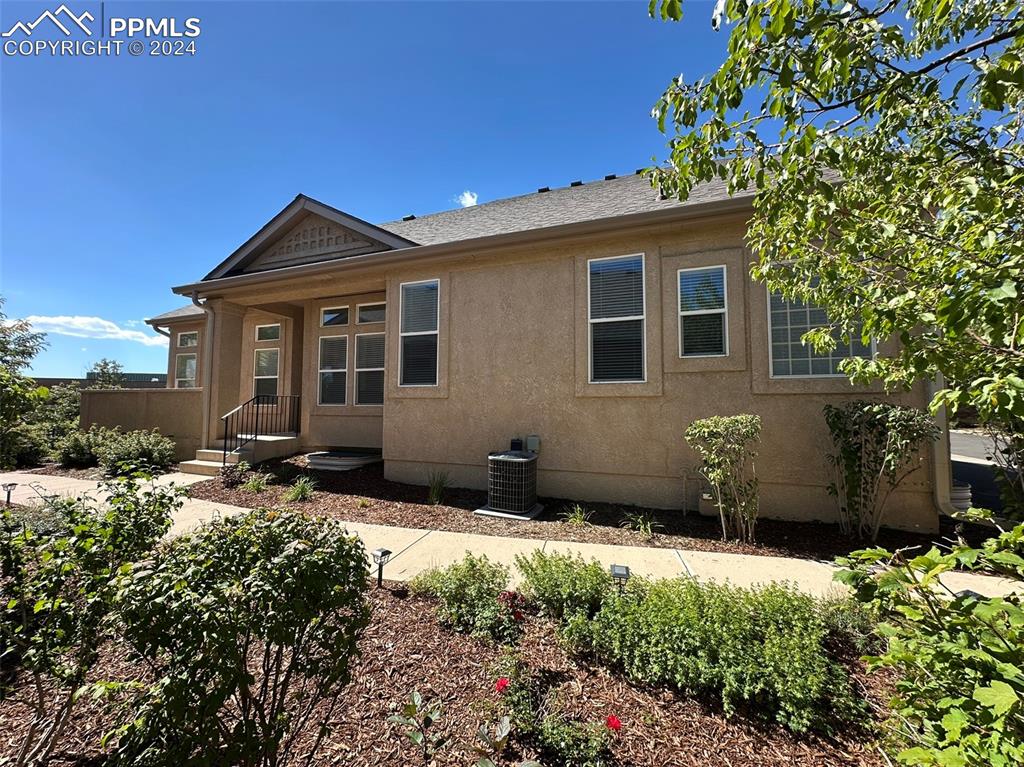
92 327
467 199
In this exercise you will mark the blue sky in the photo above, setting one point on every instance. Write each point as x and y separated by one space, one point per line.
123 176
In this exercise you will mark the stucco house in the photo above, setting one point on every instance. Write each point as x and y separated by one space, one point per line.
598 316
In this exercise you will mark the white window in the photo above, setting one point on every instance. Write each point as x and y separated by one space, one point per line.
367 313
185 371
418 320
617 320
789 356
370 369
334 316
265 371
333 370
268 332
190 338
703 318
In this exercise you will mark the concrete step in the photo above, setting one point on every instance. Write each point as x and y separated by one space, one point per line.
218 455
198 466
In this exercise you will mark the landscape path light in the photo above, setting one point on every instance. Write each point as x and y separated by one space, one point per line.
9 488
380 558
620 575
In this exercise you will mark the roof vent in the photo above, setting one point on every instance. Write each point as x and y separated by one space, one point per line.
544 189
576 183
408 218
610 176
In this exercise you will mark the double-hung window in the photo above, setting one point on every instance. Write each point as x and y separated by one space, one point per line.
265 372
370 369
418 330
703 317
333 370
185 371
788 321
617 319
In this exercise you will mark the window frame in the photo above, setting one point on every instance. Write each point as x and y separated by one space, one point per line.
372 303
436 333
178 380
259 340
348 315
724 311
193 333
632 318
356 370
255 353
771 355
320 370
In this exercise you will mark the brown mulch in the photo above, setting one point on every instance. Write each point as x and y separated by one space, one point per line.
364 495
93 473
405 648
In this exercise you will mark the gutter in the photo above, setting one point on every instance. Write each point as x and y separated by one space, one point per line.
211 321
942 470
160 330
448 249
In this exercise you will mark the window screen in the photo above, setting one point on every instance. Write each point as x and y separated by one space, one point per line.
333 371
617 319
370 369
418 332
702 313
185 371
265 372
788 321
335 316
371 313
268 332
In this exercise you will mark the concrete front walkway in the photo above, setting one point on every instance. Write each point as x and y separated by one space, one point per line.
418 550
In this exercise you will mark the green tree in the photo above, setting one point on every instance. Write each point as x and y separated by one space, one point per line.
882 143
108 374
19 396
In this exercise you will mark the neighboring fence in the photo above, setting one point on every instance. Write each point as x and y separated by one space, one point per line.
177 413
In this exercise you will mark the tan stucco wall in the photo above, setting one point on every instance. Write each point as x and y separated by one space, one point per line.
515 361
177 413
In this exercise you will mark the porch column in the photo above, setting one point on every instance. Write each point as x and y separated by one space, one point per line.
225 363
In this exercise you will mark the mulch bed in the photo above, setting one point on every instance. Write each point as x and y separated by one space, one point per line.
405 648
94 473
364 495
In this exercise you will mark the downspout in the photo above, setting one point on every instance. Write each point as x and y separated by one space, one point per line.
211 321
942 470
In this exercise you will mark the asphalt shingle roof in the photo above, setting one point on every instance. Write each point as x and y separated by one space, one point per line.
566 205
188 310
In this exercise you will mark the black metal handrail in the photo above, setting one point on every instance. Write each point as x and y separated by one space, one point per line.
261 415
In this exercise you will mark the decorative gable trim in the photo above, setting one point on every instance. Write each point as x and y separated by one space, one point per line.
309 243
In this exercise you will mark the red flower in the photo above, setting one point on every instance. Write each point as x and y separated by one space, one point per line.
613 723
501 684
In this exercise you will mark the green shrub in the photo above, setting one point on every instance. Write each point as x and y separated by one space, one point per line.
235 474
79 449
875 447
520 695
257 482
301 489
437 483
562 584
57 596
248 625
760 650
29 445
727 447
122 453
472 598
959 658
570 743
